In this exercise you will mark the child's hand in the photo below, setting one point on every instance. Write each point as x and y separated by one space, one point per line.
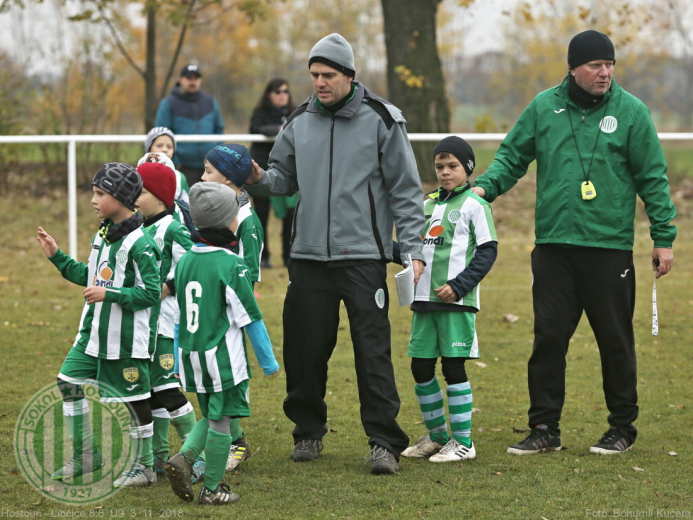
446 293
94 294
47 243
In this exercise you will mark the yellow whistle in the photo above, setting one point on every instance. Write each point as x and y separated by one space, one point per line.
588 190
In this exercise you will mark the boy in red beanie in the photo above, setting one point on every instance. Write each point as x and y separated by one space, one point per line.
169 405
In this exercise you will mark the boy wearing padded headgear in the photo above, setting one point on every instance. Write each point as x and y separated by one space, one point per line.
162 140
118 326
169 405
230 164
459 247
216 303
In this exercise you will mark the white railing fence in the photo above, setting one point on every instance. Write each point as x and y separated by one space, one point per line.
72 140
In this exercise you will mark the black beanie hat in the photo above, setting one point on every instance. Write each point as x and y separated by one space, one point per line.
460 149
588 46
121 181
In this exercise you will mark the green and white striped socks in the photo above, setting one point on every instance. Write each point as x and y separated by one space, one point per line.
430 398
460 406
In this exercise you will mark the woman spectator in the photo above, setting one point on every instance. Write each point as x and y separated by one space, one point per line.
269 115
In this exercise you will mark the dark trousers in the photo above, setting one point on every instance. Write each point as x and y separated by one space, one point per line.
262 205
193 174
568 280
311 318
287 227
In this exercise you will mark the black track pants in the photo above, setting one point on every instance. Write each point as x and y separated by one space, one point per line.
568 280
311 318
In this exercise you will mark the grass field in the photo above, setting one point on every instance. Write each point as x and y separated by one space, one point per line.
39 313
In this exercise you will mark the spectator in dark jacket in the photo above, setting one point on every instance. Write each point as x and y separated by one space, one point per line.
188 110
268 118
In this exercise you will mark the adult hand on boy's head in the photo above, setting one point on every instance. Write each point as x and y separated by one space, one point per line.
50 247
94 294
255 175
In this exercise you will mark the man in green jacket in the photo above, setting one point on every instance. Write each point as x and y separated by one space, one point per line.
596 149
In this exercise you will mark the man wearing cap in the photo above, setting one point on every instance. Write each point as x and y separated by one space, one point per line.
346 151
596 149
188 110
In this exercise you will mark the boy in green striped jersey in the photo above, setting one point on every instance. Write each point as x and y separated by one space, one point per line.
162 140
459 247
169 405
118 325
215 304
230 164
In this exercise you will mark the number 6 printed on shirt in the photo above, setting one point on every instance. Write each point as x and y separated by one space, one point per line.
192 310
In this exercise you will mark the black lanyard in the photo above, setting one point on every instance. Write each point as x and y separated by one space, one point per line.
586 173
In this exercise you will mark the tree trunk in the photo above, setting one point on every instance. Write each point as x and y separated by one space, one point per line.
414 73
150 98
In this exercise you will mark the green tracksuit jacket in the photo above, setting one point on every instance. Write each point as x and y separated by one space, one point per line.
628 160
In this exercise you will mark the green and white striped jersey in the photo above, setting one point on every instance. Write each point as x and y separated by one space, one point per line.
182 188
215 301
173 240
124 325
453 230
251 238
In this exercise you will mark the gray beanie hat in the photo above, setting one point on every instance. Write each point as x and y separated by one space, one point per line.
121 181
335 51
155 132
212 205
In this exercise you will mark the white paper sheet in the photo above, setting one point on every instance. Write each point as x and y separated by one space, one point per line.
405 285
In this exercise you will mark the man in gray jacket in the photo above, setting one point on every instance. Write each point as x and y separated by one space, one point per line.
346 151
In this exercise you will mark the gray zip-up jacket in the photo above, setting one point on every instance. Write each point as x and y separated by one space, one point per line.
356 175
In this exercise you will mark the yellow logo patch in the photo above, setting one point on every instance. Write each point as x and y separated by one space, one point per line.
166 361
131 374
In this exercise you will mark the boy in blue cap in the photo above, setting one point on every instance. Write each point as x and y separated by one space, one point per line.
231 164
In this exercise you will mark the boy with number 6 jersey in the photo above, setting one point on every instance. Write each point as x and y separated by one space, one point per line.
118 325
459 247
216 302
169 405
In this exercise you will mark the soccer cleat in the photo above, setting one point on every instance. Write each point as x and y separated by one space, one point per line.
197 473
76 467
454 451
383 461
238 452
306 450
178 472
138 476
612 442
424 447
158 466
538 441
221 496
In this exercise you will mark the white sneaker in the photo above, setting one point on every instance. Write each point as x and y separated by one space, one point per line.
138 476
237 454
424 447
454 451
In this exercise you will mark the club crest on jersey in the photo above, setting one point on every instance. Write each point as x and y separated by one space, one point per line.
104 275
131 374
122 256
166 361
454 216
434 233
159 243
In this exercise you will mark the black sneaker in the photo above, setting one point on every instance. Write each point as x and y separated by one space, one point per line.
221 496
306 450
179 474
613 441
538 441
383 461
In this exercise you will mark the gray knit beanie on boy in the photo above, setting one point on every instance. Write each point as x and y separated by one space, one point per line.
155 132
121 181
334 51
212 205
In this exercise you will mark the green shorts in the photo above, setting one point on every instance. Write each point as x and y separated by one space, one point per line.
234 402
117 379
161 371
443 333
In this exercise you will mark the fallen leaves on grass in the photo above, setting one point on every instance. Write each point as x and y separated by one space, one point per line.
496 429
519 430
635 468
673 453
331 431
481 429
480 364
476 410
658 494
597 407
496 473
510 318
4 278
